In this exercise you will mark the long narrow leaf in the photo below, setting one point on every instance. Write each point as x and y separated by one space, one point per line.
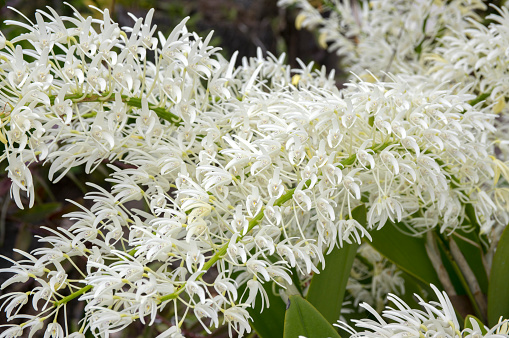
327 289
498 292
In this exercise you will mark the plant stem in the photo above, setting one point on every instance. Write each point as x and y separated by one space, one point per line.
255 220
480 98
72 295
131 101
222 251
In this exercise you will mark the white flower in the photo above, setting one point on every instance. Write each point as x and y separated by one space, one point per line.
300 197
54 330
2 41
11 331
256 266
195 287
237 318
207 311
172 332
22 180
226 286
13 303
255 288
236 250
275 186
435 318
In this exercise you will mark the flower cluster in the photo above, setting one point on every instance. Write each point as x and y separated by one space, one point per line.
384 36
248 174
435 319
442 44
478 55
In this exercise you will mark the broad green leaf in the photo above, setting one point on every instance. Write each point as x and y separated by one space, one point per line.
407 252
469 325
303 319
327 289
269 323
498 292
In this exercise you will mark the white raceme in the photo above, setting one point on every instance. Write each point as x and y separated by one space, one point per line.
247 173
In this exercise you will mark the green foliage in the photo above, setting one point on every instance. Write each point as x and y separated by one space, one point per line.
498 292
327 289
408 253
303 319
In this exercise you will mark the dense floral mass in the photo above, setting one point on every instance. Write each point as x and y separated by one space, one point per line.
435 319
395 36
250 174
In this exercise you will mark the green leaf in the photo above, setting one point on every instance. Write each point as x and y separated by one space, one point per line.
269 323
407 252
414 286
327 289
303 319
498 292
468 324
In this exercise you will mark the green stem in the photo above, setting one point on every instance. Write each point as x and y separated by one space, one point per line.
131 101
255 220
222 251
480 98
72 296
161 112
